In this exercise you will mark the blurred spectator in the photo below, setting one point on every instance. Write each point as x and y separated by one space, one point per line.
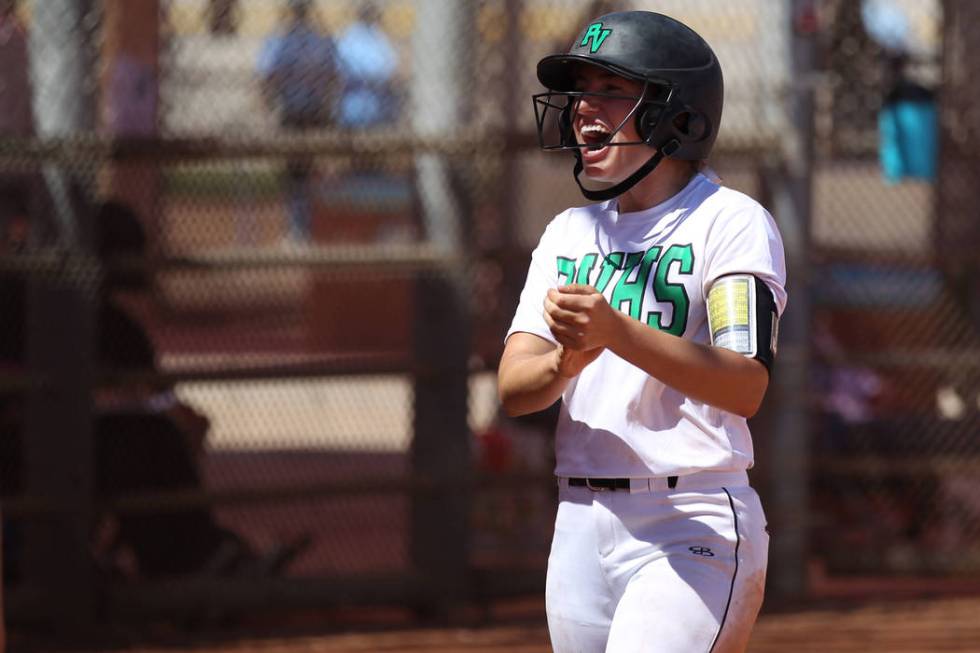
369 99
847 390
298 72
146 438
908 126
367 62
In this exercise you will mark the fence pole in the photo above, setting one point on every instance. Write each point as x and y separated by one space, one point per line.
440 445
60 331
791 188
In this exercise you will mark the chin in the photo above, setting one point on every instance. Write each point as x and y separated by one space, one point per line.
602 177
600 174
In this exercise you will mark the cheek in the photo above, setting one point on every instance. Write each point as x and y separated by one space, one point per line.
629 129
633 156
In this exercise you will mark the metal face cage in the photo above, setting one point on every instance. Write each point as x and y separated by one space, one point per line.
555 113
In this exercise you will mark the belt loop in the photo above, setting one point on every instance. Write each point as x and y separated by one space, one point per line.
671 482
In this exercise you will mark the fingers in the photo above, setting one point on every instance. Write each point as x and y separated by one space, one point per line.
572 314
576 297
577 289
560 314
567 334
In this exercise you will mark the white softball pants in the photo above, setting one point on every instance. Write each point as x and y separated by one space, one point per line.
661 571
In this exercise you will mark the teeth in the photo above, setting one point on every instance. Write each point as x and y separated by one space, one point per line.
594 130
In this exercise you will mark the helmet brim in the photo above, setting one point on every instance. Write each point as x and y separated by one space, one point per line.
557 71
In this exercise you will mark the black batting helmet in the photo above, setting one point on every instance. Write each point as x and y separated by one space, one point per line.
679 110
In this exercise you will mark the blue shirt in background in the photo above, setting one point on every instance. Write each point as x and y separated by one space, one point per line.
302 65
367 62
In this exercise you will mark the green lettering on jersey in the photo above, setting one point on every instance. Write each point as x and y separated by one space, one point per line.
566 268
672 293
613 261
631 290
585 269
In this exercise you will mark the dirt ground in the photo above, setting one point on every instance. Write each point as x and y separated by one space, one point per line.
914 626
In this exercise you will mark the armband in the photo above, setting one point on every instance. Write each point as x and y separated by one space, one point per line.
742 317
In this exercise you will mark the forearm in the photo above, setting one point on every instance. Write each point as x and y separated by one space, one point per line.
528 383
718 377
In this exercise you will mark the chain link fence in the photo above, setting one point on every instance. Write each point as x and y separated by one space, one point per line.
259 257
894 344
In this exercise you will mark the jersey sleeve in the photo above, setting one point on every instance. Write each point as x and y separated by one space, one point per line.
542 274
746 241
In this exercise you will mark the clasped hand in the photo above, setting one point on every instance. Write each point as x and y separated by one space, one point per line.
583 323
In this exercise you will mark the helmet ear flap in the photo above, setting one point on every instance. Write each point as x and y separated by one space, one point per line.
646 121
692 125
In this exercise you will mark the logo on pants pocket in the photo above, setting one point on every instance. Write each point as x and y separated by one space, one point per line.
701 551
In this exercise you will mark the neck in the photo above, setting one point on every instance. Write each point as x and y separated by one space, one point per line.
668 179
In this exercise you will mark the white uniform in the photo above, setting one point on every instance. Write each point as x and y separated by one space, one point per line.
654 568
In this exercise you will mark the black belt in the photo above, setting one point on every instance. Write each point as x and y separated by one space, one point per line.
610 483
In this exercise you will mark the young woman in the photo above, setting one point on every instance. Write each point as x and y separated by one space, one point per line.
652 315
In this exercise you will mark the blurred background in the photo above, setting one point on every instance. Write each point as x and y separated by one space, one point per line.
258 259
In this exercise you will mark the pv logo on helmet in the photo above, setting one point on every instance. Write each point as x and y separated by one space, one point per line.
597 35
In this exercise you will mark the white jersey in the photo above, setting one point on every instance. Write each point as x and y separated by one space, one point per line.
657 265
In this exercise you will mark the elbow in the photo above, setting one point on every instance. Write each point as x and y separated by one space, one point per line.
511 409
511 403
750 401
748 409
515 403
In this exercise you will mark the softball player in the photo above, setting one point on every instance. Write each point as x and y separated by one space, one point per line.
653 315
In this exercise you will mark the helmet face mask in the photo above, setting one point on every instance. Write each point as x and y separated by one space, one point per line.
555 113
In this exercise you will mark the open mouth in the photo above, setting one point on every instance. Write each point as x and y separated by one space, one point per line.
594 136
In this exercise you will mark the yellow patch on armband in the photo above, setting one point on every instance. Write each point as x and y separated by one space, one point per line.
731 314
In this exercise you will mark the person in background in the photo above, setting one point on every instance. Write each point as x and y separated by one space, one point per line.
145 438
369 100
367 62
298 73
908 125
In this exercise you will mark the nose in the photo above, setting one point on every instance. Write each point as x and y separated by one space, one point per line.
588 105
